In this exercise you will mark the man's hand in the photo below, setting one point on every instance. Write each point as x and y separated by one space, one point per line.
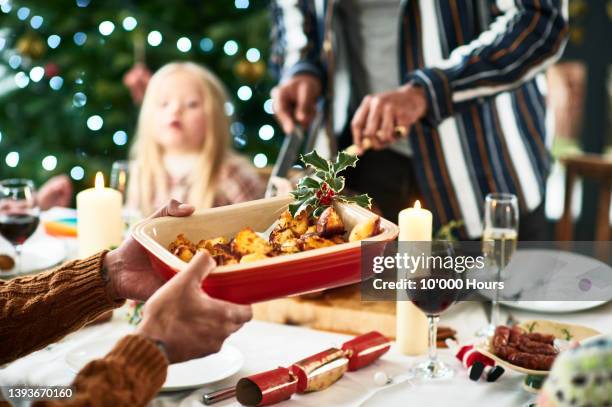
378 115
129 271
295 101
185 319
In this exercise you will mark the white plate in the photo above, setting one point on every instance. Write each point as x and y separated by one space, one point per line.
187 375
553 307
39 252
567 264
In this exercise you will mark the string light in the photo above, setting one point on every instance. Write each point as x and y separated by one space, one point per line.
268 106
129 23
206 44
244 93
241 4
14 61
77 173
229 108
49 162
6 7
260 160
154 38
79 99
79 38
183 44
95 122
120 138
2 43
36 22
12 159
253 55
23 13
230 47
21 79
266 132
106 28
56 82
54 41
82 3
237 129
37 73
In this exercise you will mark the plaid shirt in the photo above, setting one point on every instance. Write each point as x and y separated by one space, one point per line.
477 61
238 181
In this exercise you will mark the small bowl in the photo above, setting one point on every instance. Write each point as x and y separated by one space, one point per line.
265 279
559 330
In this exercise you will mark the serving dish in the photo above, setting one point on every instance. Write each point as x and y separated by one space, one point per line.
265 279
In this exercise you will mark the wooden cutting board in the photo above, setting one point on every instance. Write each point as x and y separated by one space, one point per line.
339 310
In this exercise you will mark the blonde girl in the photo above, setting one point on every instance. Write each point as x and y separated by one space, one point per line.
182 142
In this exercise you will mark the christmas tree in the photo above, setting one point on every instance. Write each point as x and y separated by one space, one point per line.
63 105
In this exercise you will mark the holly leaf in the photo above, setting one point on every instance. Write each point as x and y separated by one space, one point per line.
309 182
314 160
337 184
344 160
361 200
301 192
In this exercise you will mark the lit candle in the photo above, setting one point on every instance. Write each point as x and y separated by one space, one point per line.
415 224
99 222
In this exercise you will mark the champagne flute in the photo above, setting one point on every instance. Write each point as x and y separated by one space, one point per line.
435 290
19 214
119 177
499 242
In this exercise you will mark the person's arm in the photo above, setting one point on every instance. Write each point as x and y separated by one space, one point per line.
529 36
129 375
295 43
38 310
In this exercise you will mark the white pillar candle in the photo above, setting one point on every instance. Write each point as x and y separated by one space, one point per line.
99 222
415 224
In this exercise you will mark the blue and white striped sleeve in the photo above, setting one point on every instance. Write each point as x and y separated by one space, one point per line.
295 45
521 42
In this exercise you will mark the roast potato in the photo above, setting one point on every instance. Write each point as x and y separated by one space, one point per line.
247 242
329 223
278 237
252 257
313 241
365 229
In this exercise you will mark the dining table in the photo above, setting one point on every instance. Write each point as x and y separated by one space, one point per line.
265 345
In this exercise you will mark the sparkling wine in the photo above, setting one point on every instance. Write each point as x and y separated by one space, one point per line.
17 228
500 244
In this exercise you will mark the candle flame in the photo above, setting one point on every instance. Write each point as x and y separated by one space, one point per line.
99 180
417 204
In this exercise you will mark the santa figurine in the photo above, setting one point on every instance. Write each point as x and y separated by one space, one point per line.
478 365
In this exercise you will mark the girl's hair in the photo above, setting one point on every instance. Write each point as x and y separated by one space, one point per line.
149 176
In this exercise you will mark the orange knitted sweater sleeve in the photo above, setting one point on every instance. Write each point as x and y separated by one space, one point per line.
38 310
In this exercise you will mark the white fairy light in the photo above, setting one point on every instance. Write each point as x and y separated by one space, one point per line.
36 22
244 93
129 23
260 160
21 79
77 173
268 106
106 28
54 41
120 138
229 108
37 73
266 132
49 162
95 122
154 38
230 47
253 55
12 159
183 44
56 82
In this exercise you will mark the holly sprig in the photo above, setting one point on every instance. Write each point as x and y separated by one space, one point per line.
320 190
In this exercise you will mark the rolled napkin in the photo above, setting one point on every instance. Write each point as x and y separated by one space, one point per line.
314 373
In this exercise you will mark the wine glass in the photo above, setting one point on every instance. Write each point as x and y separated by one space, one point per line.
19 213
119 177
435 289
499 242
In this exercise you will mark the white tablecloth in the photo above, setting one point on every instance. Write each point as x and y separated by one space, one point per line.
267 345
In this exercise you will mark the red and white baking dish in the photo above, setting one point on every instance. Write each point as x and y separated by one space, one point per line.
266 279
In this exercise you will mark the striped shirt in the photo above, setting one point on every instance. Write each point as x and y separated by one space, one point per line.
478 62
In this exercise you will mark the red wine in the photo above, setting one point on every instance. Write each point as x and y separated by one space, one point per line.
17 228
432 301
